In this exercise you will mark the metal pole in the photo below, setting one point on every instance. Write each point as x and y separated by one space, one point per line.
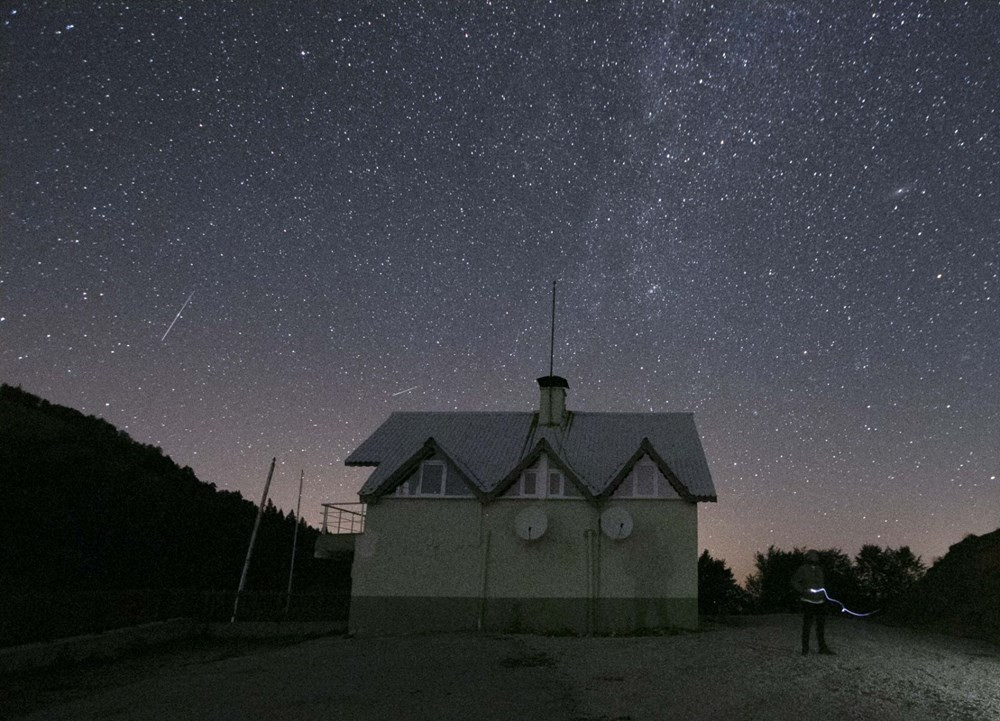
552 336
295 538
253 539
485 580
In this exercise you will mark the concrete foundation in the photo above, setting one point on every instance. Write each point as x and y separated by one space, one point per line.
390 615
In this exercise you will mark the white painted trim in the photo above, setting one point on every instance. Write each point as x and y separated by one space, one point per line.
662 490
444 475
542 469
410 487
539 484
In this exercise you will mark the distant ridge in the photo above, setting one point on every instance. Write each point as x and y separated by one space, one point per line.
85 507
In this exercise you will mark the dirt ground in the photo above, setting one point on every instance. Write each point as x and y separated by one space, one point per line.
747 671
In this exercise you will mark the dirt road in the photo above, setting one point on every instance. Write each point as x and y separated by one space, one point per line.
725 672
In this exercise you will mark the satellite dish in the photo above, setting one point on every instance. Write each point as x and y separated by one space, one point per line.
616 523
530 524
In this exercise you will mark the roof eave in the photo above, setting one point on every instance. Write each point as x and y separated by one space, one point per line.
405 469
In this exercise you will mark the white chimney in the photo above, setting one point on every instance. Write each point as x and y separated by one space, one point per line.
552 407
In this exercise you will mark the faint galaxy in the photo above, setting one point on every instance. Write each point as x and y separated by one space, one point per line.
782 216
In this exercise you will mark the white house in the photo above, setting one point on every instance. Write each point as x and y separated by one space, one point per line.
550 521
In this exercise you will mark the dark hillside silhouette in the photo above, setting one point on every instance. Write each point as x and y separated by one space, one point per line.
83 507
960 594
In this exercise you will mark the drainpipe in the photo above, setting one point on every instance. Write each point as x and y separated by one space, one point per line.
597 580
587 542
485 581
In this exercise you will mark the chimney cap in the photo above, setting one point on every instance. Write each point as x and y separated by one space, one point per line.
553 382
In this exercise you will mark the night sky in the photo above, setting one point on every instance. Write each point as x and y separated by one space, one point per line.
781 216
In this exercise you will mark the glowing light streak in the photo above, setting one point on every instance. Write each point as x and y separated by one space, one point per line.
843 608
177 316
407 390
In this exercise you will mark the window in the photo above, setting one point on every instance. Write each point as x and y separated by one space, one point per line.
431 478
528 484
407 488
555 483
454 485
645 480
543 480
561 486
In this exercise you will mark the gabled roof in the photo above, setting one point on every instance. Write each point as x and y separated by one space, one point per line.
646 449
598 448
531 458
430 449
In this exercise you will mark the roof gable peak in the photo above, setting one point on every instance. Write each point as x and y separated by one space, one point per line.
646 449
428 450
531 458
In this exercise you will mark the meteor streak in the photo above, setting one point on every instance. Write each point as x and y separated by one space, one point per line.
405 390
843 608
177 316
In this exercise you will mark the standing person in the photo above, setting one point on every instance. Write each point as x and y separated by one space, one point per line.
809 583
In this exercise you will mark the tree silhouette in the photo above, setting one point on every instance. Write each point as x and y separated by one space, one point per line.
770 586
718 592
886 575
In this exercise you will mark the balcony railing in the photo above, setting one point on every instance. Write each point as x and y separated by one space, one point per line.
344 517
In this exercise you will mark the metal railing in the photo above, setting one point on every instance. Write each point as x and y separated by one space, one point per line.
344 517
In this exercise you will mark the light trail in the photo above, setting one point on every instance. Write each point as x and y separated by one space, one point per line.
177 316
405 390
843 608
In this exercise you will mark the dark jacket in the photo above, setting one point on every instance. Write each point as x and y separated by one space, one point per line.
809 577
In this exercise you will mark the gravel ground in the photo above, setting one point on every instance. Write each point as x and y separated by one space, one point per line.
748 671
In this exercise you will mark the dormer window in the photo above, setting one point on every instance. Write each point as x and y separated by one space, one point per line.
561 487
645 481
528 485
433 480
543 481
432 475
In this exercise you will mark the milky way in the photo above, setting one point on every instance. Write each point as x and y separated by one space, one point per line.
781 216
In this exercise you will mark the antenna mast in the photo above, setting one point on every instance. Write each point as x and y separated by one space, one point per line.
552 335
295 540
253 539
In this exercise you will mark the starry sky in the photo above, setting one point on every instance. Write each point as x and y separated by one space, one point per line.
781 216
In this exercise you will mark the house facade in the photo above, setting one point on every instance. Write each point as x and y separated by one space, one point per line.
550 521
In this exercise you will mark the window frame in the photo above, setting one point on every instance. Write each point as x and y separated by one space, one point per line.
544 471
564 483
441 480
661 486
655 481
413 485
539 489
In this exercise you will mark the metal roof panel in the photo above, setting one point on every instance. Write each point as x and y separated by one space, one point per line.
490 444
